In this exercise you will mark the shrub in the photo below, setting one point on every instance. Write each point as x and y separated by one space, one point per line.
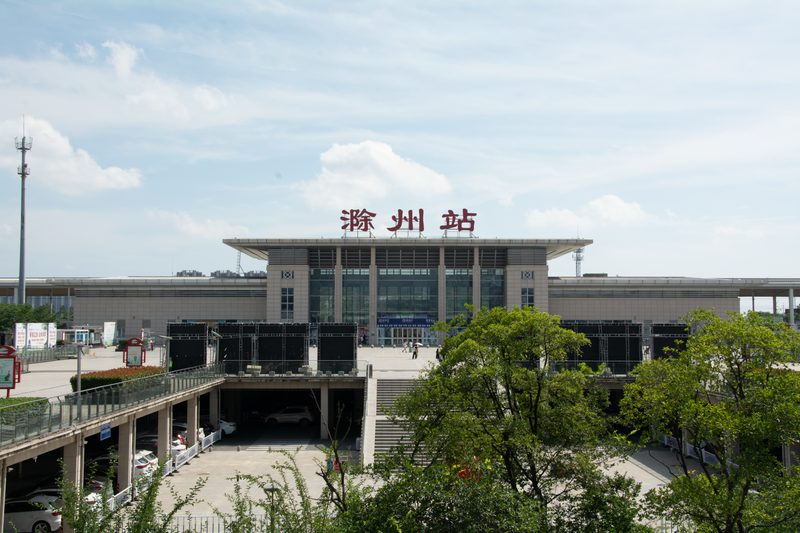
11 406
91 380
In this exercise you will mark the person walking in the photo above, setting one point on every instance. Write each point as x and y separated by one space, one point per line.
416 352
405 345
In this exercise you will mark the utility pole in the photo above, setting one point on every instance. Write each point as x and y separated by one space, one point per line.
23 171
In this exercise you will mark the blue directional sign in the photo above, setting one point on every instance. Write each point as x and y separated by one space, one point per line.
105 431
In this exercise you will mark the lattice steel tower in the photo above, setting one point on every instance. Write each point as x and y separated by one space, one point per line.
578 257
23 171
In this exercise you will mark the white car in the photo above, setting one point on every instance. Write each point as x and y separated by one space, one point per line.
227 427
38 514
183 427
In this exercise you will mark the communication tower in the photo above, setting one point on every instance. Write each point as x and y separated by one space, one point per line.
578 257
23 171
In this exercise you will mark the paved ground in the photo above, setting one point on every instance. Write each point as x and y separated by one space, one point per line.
249 452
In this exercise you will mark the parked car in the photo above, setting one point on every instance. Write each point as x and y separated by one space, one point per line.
102 464
38 514
293 414
227 427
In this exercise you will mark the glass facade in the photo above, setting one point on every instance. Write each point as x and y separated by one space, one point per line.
458 291
493 288
355 295
320 295
408 304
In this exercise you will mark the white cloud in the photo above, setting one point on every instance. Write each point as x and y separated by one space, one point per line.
354 173
86 51
55 162
5 229
608 210
122 56
732 231
210 98
209 229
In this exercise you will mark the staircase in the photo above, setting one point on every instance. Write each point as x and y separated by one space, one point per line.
387 434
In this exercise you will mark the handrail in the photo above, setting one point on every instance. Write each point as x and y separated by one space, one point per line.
21 422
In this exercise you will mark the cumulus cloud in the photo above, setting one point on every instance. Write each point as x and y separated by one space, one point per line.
55 162
86 51
608 210
122 56
208 229
353 173
210 98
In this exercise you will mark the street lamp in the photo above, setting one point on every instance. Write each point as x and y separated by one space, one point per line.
272 491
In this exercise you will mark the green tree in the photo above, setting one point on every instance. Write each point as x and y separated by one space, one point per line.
11 314
497 398
731 390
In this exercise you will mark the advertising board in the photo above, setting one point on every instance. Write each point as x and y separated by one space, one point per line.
109 333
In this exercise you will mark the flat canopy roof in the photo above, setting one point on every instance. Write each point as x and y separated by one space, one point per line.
259 248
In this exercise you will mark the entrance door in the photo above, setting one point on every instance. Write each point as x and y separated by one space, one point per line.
402 335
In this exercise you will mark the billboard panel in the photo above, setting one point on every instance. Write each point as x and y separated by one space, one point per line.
19 336
37 336
109 333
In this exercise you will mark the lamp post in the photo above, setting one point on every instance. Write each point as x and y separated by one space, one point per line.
272 491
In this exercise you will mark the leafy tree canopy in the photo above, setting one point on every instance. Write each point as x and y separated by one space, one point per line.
735 392
11 314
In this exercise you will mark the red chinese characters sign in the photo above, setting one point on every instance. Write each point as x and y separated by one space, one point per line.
361 220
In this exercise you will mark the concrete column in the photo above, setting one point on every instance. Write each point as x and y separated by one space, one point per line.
165 434
213 407
753 299
125 472
324 410
476 280
791 308
337 287
372 337
2 490
442 292
191 421
73 467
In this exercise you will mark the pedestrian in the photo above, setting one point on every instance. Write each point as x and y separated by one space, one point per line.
405 345
416 352
437 355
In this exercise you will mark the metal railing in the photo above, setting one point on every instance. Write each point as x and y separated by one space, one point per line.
29 356
21 422
612 368
212 524
300 369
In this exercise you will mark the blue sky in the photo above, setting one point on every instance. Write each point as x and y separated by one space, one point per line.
667 132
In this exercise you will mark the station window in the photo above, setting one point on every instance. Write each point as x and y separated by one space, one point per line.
527 297
287 304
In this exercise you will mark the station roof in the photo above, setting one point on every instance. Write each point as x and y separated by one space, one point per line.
259 248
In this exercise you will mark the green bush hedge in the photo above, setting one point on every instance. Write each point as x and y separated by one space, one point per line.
91 380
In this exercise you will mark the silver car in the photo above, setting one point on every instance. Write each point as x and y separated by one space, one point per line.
293 414
38 514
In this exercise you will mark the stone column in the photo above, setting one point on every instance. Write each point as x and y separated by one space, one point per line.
3 468
73 467
324 408
372 337
191 421
337 287
165 434
442 292
125 472
476 280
